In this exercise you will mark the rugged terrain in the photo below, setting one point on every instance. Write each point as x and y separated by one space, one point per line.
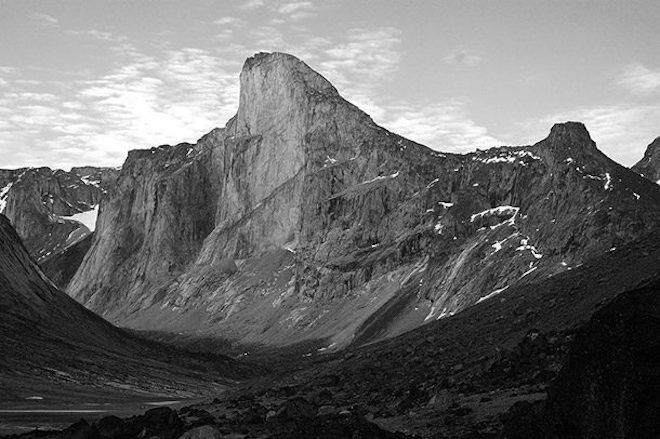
55 351
649 165
53 210
376 287
304 221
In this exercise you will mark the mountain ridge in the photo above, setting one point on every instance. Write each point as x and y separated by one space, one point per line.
319 224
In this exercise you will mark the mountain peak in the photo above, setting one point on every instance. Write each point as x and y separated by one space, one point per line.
573 132
568 139
277 88
649 165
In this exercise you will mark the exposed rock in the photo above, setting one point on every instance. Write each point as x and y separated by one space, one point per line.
56 342
203 432
49 208
649 165
608 386
339 229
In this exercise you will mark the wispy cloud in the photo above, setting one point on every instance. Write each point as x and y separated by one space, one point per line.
251 4
444 126
462 57
621 131
176 95
44 19
229 21
639 79
98 35
296 10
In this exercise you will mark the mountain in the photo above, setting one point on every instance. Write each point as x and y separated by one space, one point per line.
649 165
55 348
303 220
53 209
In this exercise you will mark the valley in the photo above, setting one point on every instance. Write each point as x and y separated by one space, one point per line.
304 272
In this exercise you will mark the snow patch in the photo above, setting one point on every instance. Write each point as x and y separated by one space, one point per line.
499 210
88 180
445 204
524 245
381 177
528 272
3 196
608 181
494 293
88 218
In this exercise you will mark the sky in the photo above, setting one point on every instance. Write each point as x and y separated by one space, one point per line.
82 82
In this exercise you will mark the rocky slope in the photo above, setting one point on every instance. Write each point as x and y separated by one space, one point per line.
608 385
53 346
304 220
649 165
53 209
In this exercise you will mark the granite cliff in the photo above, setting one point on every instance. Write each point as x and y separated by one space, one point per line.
302 219
53 210
649 165
53 346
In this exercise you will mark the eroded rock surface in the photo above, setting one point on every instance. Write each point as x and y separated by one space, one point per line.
649 165
304 220
53 210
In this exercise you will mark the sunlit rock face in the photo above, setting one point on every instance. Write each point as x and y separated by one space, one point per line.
304 220
649 165
53 210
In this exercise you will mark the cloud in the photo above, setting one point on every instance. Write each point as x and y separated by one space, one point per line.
44 19
442 126
296 10
621 131
251 4
640 80
229 21
97 34
464 58
169 97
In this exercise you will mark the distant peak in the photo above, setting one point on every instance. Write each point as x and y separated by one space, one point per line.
289 71
570 131
569 137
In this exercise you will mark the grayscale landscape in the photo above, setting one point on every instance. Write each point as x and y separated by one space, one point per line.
335 242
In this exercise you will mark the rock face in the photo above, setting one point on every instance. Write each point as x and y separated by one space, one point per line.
608 385
52 343
303 219
49 208
649 165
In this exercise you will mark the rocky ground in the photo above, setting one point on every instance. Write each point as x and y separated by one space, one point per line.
488 368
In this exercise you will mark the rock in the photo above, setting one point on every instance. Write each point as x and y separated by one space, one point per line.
320 205
607 387
441 400
40 201
203 432
110 427
649 165
296 409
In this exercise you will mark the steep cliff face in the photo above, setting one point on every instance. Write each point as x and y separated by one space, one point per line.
151 227
52 210
319 224
649 165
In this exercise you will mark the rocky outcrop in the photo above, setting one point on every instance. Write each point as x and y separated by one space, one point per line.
49 208
649 165
608 385
303 219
